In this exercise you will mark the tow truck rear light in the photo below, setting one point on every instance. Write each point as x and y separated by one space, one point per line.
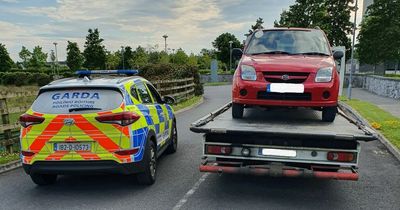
27 120
122 118
341 156
218 150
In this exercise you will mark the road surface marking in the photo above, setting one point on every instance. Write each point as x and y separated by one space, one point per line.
189 193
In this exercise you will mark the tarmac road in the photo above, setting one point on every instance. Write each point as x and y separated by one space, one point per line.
180 185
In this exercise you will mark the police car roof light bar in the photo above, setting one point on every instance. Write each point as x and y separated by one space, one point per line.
129 72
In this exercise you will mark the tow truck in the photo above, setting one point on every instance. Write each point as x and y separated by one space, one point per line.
282 142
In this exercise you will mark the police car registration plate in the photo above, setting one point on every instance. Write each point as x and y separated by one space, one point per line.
72 147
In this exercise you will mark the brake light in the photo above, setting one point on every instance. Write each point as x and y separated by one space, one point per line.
341 156
27 120
27 153
122 118
218 150
127 152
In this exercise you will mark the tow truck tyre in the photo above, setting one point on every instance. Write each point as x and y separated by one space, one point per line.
173 146
329 114
237 110
44 179
148 176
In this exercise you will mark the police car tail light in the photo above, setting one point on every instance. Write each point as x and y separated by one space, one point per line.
122 118
27 120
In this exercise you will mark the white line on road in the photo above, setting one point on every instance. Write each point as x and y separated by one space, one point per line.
189 193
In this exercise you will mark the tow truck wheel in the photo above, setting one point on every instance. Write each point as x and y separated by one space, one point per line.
329 114
148 176
173 146
237 110
44 179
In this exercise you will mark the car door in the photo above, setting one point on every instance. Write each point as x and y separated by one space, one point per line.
149 110
162 112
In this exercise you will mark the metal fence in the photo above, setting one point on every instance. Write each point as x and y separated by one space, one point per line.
180 89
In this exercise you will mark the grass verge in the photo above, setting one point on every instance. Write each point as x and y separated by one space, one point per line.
187 103
216 83
8 157
379 119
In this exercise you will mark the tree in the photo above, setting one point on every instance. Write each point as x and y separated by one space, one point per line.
332 16
192 60
140 58
221 44
180 57
380 31
94 52
25 55
258 25
113 60
74 56
128 55
38 59
6 63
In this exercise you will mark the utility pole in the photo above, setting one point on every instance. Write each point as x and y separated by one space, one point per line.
352 51
230 55
56 66
122 55
165 42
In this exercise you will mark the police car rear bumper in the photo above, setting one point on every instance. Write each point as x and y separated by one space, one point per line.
83 167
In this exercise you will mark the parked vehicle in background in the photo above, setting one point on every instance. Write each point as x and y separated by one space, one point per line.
287 67
97 125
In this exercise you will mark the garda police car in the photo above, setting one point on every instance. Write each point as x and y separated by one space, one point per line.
100 125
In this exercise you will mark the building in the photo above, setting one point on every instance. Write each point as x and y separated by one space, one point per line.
366 4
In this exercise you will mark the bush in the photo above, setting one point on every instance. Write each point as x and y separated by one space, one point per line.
24 78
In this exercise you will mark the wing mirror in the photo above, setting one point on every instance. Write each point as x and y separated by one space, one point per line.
237 53
169 100
337 55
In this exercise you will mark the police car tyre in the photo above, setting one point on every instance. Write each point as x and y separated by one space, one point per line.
148 176
44 179
329 114
173 146
237 110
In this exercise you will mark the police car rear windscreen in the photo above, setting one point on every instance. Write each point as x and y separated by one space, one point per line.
77 101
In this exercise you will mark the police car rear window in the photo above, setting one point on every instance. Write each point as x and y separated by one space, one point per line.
77 101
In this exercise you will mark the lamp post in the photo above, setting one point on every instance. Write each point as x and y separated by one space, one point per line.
230 55
122 55
56 65
352 51
165 42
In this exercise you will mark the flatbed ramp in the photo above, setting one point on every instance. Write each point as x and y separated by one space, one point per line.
284 122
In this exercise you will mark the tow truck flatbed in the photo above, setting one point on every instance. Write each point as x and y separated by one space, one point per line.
284 142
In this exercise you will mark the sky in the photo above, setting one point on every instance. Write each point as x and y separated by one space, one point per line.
189 24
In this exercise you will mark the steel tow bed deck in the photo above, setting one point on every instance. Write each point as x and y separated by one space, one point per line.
282 142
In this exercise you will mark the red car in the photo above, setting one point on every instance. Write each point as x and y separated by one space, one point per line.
289 67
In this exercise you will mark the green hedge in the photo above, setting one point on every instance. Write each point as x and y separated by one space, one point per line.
172 71
24 78
151 72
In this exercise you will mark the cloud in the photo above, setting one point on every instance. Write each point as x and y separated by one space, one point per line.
190 24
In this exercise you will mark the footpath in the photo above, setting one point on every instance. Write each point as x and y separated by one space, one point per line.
390 105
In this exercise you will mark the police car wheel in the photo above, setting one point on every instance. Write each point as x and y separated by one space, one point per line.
44 179
173 146
148 177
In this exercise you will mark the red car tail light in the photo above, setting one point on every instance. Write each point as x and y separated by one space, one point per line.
127 152
27 120
341 156
218 150
122 118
